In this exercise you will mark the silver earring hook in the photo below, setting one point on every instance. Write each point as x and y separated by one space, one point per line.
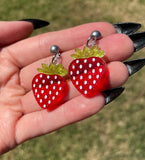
55 50
92 40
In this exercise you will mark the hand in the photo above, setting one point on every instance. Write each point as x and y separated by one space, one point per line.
21 118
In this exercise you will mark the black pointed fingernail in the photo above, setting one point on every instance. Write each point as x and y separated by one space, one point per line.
138 40
37 23
127 28
134 65
111 94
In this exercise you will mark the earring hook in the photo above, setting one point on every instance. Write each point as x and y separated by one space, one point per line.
92 40
55 50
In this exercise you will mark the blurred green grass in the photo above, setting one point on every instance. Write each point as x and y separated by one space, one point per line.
118 131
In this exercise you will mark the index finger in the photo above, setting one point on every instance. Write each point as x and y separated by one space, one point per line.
30 50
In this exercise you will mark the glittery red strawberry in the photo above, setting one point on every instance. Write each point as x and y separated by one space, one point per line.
88 70
49 87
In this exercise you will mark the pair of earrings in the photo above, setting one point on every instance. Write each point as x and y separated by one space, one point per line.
87 73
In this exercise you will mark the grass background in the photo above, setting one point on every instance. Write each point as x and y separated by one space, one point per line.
118 131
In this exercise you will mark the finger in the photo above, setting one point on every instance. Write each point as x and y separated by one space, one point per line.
117 47
35 48
43 122
13 31
117 76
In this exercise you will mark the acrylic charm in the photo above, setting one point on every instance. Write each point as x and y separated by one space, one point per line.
87 72
49 86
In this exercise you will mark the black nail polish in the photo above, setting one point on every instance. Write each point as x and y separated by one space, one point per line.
138 40
134 65
37 23
111 94
127 28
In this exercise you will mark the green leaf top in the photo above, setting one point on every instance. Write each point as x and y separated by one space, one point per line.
52 69
94 51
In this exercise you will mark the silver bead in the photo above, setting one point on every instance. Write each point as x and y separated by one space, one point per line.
54 49
96 34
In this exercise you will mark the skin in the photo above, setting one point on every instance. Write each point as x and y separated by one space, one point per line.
21 118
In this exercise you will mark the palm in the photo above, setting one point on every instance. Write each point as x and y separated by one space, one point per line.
20 116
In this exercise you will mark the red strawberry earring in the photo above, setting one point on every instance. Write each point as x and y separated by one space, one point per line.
87 72
49 86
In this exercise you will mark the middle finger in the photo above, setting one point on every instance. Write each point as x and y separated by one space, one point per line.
117 47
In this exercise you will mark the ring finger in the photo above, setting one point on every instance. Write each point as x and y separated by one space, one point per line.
117 76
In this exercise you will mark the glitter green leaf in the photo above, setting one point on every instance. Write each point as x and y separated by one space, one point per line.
52 69
94 51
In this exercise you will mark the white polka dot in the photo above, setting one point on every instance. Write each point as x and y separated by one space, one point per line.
35 90
77 72
34 85
81 66
48 77
94 81
51 82
56 93
85 82
49 101
85 71
55 77
40 75
93 59
90 76
77 82
77 61
60 88
100 70
54 87
58 82
74 77
93 70
53 97
45 97
46 86
50 92
85 60
40 85
44 106
90 87
42 91
40 100
97 76
36 80
81 77
71 72
90 65
73 67
81 87
98 64
43 81
38 95
85 92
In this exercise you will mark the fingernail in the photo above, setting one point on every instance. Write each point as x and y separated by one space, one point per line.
112 94
37 23
127 28
138 40
134 65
